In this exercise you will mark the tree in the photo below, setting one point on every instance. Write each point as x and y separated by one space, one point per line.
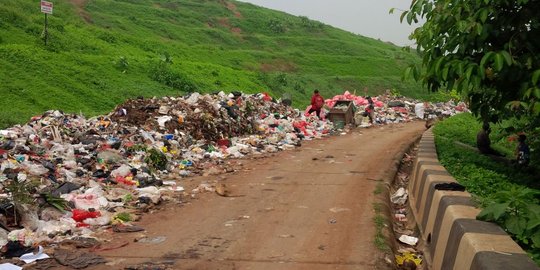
489 50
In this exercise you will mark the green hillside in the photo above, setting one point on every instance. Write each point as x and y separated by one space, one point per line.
101 52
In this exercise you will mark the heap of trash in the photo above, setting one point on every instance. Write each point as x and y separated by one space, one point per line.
64 176
389 109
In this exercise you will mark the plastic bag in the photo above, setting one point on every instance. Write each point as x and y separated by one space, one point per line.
34 169
419 110
80 215
121 171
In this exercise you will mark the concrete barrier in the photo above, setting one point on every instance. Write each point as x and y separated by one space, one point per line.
447 221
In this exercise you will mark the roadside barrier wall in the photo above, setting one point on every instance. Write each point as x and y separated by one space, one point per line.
453 237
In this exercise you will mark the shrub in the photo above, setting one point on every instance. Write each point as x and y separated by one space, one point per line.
162 73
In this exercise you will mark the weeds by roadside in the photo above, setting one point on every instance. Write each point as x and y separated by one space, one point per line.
380 224
510 196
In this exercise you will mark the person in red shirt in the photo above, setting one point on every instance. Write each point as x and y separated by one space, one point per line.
370 110
317 102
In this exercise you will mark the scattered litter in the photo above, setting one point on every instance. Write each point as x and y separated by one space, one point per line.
406 258
16 248
9 266
453 186
88 169
332 221
31 257
409 240
401 217
400 196
152 240
388 109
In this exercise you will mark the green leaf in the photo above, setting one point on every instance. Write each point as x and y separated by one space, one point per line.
516 104
460 69
493 212
507 57
445 72
516 225
484 15
479 28
533 223
403 16
536 108
536 239
527 93
407 73
499 62
391 11
410 18
438 65
469 72
536 92
416 73
485 59
535 76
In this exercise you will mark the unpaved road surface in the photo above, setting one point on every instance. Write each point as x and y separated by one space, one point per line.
309 208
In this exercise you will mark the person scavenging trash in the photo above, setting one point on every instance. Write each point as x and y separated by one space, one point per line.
317 102
483 143
522 151
370 110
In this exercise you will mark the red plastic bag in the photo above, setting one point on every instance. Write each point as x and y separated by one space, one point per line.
80 215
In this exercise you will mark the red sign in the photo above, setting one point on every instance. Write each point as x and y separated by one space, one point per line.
46 7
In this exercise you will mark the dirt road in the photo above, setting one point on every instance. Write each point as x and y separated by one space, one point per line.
309 208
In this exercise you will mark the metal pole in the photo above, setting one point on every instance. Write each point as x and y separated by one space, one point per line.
46 32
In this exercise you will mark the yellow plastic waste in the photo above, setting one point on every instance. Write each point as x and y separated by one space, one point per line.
408 256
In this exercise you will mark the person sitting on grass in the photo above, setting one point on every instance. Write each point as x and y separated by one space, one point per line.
522 151
484 143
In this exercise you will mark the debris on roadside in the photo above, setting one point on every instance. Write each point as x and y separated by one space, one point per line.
408 253
388 109
65 176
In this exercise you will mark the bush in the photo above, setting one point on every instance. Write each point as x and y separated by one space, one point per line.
122 64
162 73
276 26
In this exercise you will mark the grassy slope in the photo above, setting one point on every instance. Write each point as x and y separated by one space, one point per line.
214 45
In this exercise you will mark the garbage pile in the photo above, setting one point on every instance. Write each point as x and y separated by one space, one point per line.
389 109
408 254
64 176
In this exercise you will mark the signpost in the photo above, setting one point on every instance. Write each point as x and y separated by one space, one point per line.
47 8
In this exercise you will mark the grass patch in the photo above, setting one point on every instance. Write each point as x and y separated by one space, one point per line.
378 188
509 196
380 221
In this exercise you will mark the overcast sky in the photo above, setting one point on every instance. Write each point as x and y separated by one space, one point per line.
369 18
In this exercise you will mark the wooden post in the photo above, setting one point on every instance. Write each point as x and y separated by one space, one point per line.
45 31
